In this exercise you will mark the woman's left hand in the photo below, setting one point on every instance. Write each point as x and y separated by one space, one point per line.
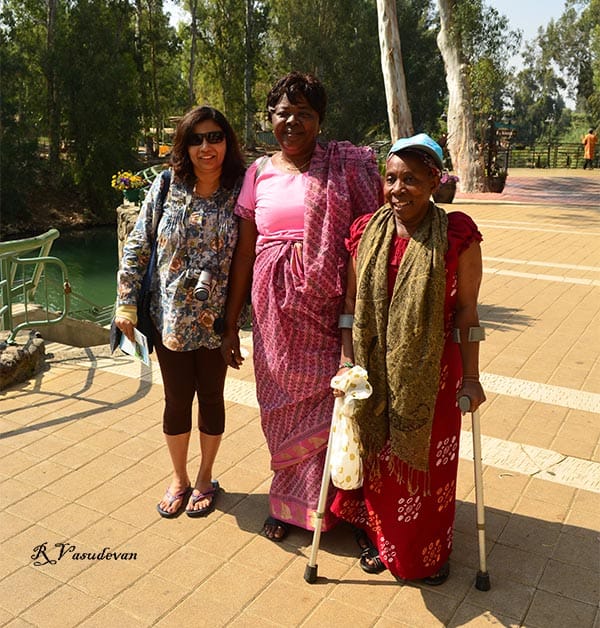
230 349
474 391
336 391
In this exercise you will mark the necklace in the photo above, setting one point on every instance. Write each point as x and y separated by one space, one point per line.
290 166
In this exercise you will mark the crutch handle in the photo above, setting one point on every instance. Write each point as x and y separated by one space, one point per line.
464 403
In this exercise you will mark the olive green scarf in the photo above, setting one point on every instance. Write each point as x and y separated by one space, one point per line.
400 342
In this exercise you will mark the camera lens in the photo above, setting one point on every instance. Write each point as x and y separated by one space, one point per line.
201 294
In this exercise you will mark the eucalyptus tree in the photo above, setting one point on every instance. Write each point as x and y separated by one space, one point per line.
254 39
159 81
399 114
30 104
423 64
489 44
476 46
101 105
19 110
462 142
572 43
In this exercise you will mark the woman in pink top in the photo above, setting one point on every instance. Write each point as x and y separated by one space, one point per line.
296 208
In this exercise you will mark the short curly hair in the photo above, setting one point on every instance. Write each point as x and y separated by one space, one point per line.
233 165
296 85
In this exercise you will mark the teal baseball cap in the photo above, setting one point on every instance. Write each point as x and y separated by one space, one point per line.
421 142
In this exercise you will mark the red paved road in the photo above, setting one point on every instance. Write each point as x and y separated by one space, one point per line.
562 187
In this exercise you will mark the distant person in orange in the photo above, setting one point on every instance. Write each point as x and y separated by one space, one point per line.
589 149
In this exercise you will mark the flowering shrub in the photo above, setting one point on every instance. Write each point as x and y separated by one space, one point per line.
125 180
448 178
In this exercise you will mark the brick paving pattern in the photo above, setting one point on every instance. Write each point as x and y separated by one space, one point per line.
83 464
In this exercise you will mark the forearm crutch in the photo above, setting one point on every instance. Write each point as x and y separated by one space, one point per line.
482 581
310 573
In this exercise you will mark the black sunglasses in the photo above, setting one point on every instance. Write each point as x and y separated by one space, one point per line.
212 137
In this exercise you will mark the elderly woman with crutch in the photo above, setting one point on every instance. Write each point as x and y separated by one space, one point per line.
411 321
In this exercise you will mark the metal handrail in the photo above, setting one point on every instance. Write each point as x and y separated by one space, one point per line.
18 255
42 244
28 322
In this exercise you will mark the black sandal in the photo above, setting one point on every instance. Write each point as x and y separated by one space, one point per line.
279 529
370 561
440 577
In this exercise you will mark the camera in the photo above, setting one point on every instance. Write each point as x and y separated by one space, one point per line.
201 284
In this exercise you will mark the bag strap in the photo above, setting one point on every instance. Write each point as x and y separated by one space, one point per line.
158 209
261 166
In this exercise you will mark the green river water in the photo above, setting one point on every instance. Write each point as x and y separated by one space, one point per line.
91 258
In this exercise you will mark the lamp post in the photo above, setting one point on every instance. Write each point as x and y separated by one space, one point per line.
548 122
491 144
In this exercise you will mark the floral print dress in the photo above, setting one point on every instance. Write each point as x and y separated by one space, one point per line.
194 234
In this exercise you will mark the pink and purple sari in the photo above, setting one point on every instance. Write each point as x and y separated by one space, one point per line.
297 296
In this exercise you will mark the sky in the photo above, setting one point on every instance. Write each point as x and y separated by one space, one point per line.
528 16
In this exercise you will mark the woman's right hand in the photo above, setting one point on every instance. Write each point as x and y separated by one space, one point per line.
126 326
230 349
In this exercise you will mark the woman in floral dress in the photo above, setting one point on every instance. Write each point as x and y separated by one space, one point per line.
196 235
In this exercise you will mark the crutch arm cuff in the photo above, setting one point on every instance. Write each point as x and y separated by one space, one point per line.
475 334
346 321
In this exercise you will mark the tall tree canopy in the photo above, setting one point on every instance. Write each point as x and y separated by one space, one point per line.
85 81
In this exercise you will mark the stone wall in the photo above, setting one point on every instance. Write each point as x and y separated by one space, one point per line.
126 216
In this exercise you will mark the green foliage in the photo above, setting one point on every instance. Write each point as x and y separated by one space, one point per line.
18 135
337 42
104 73
564 59
488 44
98 77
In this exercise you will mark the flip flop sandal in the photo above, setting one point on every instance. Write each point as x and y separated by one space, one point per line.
182 495
276 525
206 510
440 577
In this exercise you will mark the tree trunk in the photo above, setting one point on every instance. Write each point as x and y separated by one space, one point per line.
399 115
461 128
249 139
193 7
139 61
156 112
52 95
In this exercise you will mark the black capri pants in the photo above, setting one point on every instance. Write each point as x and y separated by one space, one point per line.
185 374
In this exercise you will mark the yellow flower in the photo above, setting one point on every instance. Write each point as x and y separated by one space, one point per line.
126 180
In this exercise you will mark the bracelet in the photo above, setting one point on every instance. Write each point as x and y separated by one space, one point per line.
470 379
345 365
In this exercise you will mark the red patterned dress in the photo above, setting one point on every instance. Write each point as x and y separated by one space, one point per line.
413 531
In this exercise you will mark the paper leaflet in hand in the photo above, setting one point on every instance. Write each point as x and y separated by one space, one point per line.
138 349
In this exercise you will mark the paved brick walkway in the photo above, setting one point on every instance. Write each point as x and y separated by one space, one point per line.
82 465
555 187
